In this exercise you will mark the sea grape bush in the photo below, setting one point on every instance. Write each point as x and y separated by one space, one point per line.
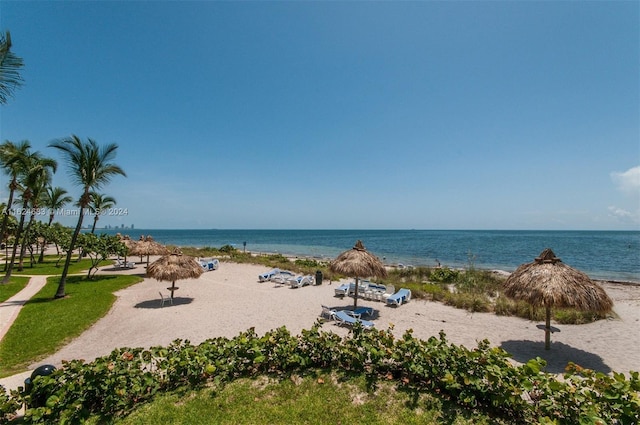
480 378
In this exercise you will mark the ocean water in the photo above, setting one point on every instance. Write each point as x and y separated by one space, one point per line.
612 255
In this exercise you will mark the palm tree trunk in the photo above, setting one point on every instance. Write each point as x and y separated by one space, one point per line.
23 245
5 214
7 276
60 293
44 242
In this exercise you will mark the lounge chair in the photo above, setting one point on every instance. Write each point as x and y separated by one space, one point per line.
342 290
327 312
268 275
342 318
400 297
388 291
358 312
300 281
213 264
282 277
121 264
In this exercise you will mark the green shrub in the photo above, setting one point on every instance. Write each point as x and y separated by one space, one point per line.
482 379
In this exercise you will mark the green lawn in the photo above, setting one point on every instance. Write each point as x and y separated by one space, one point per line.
45 324
15 285
317 399
51 266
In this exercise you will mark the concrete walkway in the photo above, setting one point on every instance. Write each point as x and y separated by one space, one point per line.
9 310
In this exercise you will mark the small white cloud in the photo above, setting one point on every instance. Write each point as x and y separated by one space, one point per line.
620 213
628 181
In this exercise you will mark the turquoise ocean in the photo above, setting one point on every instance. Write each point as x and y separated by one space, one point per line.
609 255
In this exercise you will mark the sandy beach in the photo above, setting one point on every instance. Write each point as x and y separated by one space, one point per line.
229 300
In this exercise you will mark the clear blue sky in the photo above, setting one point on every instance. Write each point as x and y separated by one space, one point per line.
332 115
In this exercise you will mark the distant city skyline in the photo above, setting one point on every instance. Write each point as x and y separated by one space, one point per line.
340 115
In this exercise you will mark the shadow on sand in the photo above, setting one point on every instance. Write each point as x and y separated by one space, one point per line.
557 357
157 303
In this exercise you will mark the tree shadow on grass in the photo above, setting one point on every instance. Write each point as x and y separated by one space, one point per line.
157 303
557 357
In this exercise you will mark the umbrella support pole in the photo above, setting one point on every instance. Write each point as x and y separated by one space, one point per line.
355 296
547 330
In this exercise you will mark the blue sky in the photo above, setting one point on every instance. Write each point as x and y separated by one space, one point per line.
341 115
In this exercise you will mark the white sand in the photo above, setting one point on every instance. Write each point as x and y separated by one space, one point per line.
230 300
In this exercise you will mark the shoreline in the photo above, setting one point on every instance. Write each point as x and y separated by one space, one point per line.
502 272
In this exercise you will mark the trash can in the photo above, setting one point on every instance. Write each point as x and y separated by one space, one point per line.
318 277
43 370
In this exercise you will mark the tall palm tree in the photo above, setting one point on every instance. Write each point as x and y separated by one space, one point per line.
39 183
54 199
37 170
10 65
13 158
99 203
91 168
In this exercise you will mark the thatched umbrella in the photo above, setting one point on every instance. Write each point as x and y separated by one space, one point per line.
174 266
127 242
147 246
358 262
548 282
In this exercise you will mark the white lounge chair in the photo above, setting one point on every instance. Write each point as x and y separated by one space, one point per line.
121 264
300 281
327 312
388 291
268 275
400 297
282 277
342 290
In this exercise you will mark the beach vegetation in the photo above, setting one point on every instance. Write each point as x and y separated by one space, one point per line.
44 325
91 168
427 380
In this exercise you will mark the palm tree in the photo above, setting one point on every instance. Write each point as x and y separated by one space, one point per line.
13 159
53 200
39 183
98 204
90 167
10 65
37 171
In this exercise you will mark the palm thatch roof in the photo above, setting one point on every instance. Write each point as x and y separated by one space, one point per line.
174 266
147 246
357 262
548 282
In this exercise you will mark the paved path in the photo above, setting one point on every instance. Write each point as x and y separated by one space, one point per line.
9 310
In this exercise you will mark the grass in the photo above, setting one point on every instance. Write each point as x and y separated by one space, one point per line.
45 324
315 399
15 285
51 266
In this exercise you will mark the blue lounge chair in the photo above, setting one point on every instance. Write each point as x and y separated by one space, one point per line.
358 312
268 275
342 318
400 297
